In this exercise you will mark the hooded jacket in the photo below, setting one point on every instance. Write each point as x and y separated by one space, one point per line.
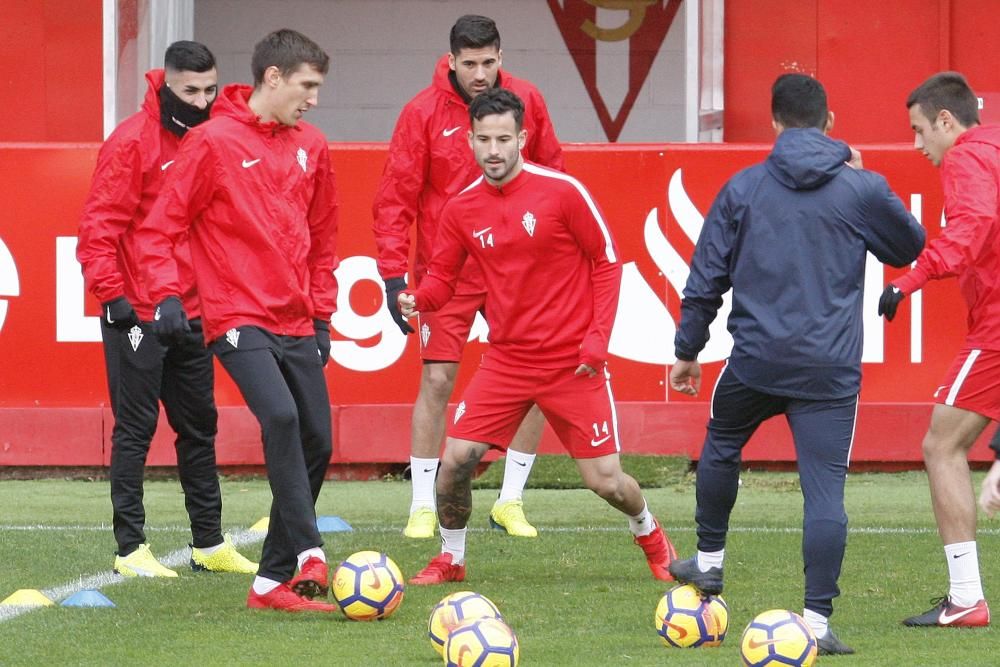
430 161
790 236
969 245
259 203
131 168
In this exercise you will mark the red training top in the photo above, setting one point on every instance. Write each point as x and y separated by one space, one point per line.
131 168
430 161
969 245
551 268
260 202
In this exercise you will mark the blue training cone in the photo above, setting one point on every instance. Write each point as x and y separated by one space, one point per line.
332 524
87 598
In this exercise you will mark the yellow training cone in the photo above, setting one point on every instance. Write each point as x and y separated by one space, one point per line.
27 597
261 526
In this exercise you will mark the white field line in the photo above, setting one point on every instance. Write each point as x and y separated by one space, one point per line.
181 556
108 578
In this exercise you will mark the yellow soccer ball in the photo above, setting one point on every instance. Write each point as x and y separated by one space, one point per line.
453 610
778 637
368 586
483 642
686 619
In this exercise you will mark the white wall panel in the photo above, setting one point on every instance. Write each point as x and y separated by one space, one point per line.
383 51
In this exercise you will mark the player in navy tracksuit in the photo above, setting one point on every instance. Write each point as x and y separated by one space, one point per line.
789 236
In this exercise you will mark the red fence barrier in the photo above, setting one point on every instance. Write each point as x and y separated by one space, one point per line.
53 393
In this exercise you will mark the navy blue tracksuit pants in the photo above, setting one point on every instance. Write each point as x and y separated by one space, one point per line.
281 379
823 431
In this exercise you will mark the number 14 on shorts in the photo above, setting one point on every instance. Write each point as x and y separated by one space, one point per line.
601 434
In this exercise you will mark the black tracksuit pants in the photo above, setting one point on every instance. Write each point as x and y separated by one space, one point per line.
823 431
281 379
141 373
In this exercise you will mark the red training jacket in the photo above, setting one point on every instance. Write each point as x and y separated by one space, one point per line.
551 268
131 168
430 161
969 245
260 202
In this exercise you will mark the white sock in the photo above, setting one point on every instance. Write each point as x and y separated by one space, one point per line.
423 473
966 587
208 551
818 623
710 559
642 523
515 474
315 552
453 542
263 585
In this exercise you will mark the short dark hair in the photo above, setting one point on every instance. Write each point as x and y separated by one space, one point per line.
798 100
946 90
185 56
474 32
287 50
496 101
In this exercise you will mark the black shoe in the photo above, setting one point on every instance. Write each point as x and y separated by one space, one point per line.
946 614
687 572
831 645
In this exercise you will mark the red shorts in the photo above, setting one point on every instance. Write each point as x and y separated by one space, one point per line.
973 383
444 333
580 409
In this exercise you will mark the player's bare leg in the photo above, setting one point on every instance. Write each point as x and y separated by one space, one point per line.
454 507
437 380
946 448
605 477
507 513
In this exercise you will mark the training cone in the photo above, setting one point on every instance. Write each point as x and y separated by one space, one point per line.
87 598
332 524
27 597
261 526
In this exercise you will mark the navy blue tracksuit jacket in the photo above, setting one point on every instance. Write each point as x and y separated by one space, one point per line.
790 236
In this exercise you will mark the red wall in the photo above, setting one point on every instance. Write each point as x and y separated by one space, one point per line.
52 78
868 55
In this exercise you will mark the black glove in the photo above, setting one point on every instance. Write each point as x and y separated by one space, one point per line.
393 286
323 340
119 314
889 301
170 321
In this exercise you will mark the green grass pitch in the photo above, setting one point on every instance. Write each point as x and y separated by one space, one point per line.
579 594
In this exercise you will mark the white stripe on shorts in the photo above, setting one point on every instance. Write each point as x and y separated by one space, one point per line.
957 384
614 412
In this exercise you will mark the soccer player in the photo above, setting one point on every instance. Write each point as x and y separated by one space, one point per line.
429 162
790 237
143 369
552 275
944 116
254 191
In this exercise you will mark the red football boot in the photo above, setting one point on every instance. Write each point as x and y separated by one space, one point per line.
945 614
659 553
313 580
283 598
439 571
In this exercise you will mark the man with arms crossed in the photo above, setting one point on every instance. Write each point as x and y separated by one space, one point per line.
790 237
552 275
254 190
142 369
944 115
429 162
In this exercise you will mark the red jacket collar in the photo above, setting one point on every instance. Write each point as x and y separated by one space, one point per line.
233 102
155 79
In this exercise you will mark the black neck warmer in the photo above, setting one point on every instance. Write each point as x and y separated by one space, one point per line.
176 115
